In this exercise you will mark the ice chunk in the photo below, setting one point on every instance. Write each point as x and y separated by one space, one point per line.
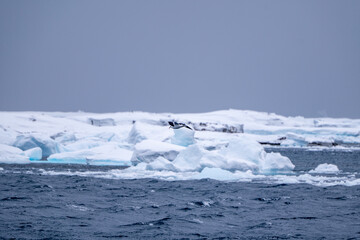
217 174
241 154
161 164
142 131
196 158
34 153
107 154
244 153
149 150
183 137
10 154
190 159
47 145
275 163
244 148
325 168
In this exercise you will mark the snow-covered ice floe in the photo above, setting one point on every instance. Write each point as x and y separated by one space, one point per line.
223 145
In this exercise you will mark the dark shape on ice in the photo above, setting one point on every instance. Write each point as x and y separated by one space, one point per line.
323 144
176 125
102 122
210 126
270 143
217 127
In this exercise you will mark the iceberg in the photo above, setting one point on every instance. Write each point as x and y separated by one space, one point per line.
245 153
242 154
275 163
161 164
10 154
223 143
47 145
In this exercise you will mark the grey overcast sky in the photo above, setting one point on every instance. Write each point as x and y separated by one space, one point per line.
288 57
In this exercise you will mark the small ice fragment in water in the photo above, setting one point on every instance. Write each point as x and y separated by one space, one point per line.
325 168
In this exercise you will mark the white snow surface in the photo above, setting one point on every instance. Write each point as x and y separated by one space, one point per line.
145 142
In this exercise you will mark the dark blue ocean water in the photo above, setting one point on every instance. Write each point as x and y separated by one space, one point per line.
34 205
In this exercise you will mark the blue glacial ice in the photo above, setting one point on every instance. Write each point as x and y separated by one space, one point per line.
29 141
183 137
34 154
106 154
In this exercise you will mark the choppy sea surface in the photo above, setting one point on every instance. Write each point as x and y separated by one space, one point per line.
37 205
